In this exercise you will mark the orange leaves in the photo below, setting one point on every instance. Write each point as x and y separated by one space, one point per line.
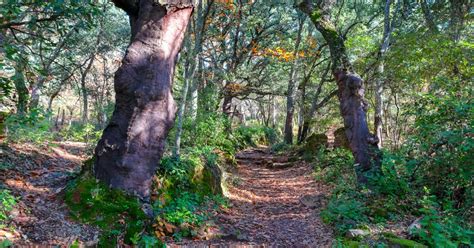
278 53
234 88
163 228
228 4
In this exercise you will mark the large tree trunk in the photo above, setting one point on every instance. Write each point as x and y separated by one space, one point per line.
133 142
291 92
353 106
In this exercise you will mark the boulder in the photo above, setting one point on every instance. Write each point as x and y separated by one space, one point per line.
340 139
314 143
212 177
356 233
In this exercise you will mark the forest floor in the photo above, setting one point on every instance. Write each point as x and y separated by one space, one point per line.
37 177
274 203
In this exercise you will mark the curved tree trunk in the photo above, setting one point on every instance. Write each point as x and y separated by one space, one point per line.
133 142
353 105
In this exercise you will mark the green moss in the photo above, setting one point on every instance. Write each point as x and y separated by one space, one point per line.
113 211
352 244
316 16
405 243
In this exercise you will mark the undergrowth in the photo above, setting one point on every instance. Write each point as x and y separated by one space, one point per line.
392 198
186 195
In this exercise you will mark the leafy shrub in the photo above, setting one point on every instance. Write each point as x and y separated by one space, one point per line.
442 230
255 135
112 210
333 165
82 133
280 147
35 126
7 202
441 152
345 212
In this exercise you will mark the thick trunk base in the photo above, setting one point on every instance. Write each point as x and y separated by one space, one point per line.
133 142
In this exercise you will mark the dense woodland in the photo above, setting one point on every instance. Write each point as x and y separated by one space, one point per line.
236 123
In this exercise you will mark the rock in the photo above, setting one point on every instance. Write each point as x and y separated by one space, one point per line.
148 210
414 226
355 233
340 139
279 165
312 201
315 142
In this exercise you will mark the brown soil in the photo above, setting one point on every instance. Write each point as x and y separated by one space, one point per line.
270 207
37 177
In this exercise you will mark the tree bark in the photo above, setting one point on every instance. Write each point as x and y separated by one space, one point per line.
133 142
182 105
353 106
22 91
378 116
85 105
290 95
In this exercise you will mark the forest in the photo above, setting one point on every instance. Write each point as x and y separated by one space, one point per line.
237 123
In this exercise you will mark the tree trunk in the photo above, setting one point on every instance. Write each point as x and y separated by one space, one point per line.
22 91
133 142
290 95
378 115
85 105
428 17
353 106
38 85
182 106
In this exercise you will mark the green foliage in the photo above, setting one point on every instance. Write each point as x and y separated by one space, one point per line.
442 229
334 165
280 147
255 135
5 243
209 130
81 132
345 212
7 202
147 241
112 210
32 127
441 153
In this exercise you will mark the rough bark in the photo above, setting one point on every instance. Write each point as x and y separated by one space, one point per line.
133 142
353 106
291 92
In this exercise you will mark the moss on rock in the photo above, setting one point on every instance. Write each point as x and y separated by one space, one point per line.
340 139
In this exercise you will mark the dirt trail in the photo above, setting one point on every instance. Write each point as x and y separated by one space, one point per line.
37 177
271 207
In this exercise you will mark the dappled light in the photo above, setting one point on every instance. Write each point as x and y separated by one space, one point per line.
236 123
